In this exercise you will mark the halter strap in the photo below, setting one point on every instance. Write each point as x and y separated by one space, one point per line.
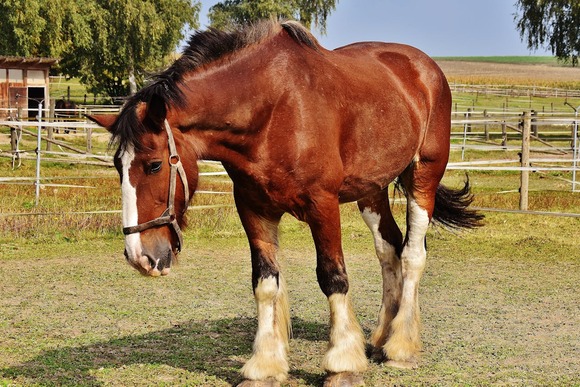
168 216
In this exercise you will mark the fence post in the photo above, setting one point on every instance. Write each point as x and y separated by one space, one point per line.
467 117
485 127
504 135
38 143
534 123
89 140
525 157
575 151
13 139
466 128
50 129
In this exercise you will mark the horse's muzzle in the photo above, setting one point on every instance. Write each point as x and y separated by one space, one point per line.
150 264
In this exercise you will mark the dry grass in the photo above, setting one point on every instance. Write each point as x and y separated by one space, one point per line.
485 73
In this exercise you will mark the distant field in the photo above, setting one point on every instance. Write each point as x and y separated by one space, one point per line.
497 71
545 60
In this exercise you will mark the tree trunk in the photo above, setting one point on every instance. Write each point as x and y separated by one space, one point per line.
132 82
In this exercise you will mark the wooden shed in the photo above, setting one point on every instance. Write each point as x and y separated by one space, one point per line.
23 84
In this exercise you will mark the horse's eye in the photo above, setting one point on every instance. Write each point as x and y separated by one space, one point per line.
155 167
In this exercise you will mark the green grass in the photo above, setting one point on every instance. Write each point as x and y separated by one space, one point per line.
60 88
512 104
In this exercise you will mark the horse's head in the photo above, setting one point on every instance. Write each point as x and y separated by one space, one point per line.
159 175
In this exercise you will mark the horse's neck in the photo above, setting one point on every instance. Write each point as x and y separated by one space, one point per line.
225 125
225 113
229 108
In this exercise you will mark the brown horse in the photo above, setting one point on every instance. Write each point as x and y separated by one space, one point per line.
64 110
299 130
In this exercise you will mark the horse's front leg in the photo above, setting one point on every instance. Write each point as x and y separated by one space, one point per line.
345 358
268 361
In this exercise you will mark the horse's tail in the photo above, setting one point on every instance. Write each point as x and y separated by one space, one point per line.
451 208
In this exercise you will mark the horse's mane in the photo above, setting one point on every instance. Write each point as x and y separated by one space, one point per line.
203 48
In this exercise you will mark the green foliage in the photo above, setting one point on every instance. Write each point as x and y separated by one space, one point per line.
20 28
551 23
129 39
109 45
239 12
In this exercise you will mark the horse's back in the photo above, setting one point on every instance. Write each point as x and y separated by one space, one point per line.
400 65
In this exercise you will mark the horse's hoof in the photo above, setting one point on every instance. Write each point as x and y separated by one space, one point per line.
259 383
407 365
375 354
344 379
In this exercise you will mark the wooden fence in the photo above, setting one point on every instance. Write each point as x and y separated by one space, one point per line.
515 91
552 135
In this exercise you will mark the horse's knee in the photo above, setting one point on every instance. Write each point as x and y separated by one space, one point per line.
332 277
264 266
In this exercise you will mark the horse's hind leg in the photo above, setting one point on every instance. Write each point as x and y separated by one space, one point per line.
388 239
420 181
268 359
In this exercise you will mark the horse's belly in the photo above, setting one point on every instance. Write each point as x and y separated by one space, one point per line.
355 187
372 169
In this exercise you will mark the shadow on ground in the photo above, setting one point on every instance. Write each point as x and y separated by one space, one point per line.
214 347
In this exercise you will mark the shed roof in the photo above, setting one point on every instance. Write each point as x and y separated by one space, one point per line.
23 62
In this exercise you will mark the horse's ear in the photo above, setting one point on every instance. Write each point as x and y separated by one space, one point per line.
105 120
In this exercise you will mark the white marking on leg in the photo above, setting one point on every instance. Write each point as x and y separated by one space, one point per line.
385 251
346 349
129 204
271 342
391 275
404 344
414 253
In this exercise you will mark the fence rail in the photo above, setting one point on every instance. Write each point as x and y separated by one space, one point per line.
472 131
515 90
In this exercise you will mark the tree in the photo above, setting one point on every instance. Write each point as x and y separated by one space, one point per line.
36 28
551 23
129 38
238 12
110 44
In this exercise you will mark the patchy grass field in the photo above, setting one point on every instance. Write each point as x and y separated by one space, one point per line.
499 306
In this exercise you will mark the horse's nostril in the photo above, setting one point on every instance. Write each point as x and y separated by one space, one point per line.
152 262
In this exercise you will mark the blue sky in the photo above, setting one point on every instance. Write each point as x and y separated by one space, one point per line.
438 27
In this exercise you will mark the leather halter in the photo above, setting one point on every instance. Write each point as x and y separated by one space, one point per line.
168 216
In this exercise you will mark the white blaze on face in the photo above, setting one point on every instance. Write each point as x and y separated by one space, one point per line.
129 199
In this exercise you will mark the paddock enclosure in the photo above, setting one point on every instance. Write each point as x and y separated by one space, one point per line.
499 304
